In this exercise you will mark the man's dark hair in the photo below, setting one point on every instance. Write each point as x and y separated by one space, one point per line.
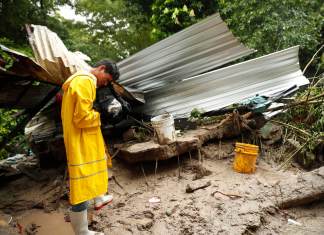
111 67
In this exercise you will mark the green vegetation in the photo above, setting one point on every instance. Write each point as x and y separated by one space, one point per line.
118 28
269 26
8 121
170 16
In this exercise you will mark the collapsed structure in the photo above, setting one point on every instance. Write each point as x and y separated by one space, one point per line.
176 75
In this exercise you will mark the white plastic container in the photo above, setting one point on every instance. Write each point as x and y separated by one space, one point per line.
164 128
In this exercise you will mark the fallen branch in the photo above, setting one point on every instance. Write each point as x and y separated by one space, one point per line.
292 155
292 127
142 168
303 102
141 123
311 60
114 178
232 196
192 188
115 153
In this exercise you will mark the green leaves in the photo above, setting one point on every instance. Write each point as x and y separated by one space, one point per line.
114 29
272 26
170 16
7 122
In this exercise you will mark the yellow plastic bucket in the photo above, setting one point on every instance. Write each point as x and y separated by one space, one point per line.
245 157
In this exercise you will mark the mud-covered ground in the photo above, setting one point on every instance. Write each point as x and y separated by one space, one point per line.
230 203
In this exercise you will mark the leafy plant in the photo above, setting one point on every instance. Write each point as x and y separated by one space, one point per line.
8 121
170 16
269 26
195 113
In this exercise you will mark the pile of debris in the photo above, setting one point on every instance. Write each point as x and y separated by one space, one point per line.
18 164
184 72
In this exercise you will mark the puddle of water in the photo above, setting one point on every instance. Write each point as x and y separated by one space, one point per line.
50 223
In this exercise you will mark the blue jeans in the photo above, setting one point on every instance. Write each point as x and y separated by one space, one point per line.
80 207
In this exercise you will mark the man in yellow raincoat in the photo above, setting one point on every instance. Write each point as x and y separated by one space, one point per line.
84 143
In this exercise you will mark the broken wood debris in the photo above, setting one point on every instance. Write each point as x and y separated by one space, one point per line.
191 140
190 188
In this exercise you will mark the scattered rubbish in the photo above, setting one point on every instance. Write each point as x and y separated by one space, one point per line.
257 103
154 200
245 157
190 188
164 128
294 222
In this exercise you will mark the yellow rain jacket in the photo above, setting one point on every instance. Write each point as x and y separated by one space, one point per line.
84 144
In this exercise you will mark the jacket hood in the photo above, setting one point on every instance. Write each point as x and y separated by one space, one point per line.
67 83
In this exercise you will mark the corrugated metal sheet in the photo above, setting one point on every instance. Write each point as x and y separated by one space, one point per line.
23 66
265 75
52 54
22 94
199 48
61 63
18 87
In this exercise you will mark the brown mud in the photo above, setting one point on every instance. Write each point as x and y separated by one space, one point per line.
229 202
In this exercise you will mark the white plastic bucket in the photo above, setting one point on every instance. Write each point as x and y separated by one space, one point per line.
164 128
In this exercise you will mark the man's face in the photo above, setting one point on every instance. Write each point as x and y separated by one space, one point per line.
103 78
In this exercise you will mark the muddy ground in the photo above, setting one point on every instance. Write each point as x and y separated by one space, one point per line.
230 203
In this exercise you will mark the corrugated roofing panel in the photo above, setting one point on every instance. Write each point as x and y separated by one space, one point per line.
52 54
22 94
199 48
265 75
18 87
24 66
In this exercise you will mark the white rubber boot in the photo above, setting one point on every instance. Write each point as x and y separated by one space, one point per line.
79 222
102 200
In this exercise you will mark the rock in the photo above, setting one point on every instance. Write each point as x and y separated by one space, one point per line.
144 224
148 214
170 211
271 133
